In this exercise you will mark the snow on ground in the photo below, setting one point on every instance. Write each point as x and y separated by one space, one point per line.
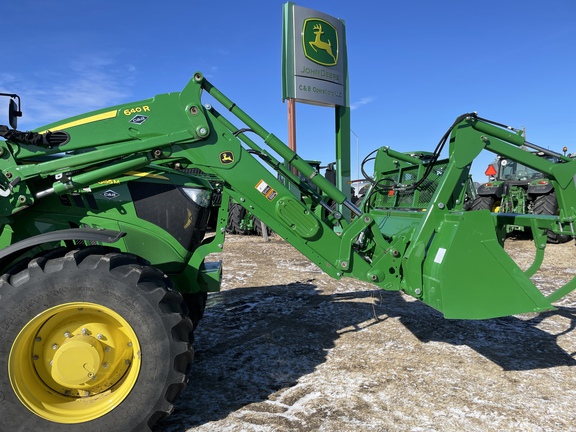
283 347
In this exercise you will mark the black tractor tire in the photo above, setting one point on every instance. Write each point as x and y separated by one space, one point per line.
236 214
196 304
548 205
53 306
483 203
257 224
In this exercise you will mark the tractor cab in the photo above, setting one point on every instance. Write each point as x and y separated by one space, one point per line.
510 170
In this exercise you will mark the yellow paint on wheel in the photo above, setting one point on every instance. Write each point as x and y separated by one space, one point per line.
496 207
74 362
77 361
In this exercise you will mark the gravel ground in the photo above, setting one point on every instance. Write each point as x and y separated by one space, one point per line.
285 347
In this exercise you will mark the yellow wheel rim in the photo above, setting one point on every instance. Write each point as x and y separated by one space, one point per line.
74 362
496 207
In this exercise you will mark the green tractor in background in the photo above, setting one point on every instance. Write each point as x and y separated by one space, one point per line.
243 222
516 188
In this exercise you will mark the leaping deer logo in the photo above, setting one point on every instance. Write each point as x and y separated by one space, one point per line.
319 43
226 157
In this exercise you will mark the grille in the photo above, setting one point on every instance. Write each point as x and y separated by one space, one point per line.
402 195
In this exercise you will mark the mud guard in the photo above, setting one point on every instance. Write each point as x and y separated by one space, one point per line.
90 234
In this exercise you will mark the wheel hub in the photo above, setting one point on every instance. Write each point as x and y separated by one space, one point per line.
76 362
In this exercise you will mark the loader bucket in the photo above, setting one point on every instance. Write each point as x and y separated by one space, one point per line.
452 259
468 274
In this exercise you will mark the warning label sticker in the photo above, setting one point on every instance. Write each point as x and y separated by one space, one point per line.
440 255
266 190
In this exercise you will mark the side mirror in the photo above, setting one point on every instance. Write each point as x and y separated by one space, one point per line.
13 114
13 109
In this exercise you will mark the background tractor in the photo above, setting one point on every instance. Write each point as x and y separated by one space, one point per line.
517 188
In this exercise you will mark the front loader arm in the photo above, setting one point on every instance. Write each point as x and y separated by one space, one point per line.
176 129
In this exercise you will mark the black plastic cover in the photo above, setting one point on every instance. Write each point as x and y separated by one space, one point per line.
167 207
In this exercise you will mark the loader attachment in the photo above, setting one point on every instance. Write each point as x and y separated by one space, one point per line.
462 270
468 274
454 259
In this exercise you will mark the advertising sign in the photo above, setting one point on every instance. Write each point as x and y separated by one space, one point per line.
313 57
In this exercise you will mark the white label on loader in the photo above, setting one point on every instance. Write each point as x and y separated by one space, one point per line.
440 255
266 190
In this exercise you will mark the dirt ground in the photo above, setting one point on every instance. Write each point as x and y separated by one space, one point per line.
284 347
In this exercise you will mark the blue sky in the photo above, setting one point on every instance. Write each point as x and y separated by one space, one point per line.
414 66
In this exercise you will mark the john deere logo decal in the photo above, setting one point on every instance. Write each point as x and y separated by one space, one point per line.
320 41
226 157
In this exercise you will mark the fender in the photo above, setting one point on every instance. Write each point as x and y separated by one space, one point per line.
540 189
495 189
91 234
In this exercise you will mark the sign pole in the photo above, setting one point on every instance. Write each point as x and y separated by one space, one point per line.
343 154
291 103
343 135
315 71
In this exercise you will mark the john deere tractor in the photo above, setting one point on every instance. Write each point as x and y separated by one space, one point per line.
517 188
105 264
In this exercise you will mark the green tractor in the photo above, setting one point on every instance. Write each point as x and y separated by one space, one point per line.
517 188
105 261
243 222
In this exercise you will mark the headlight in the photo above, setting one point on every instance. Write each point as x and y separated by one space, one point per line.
202 197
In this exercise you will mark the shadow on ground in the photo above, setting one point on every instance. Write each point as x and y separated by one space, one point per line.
292 328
